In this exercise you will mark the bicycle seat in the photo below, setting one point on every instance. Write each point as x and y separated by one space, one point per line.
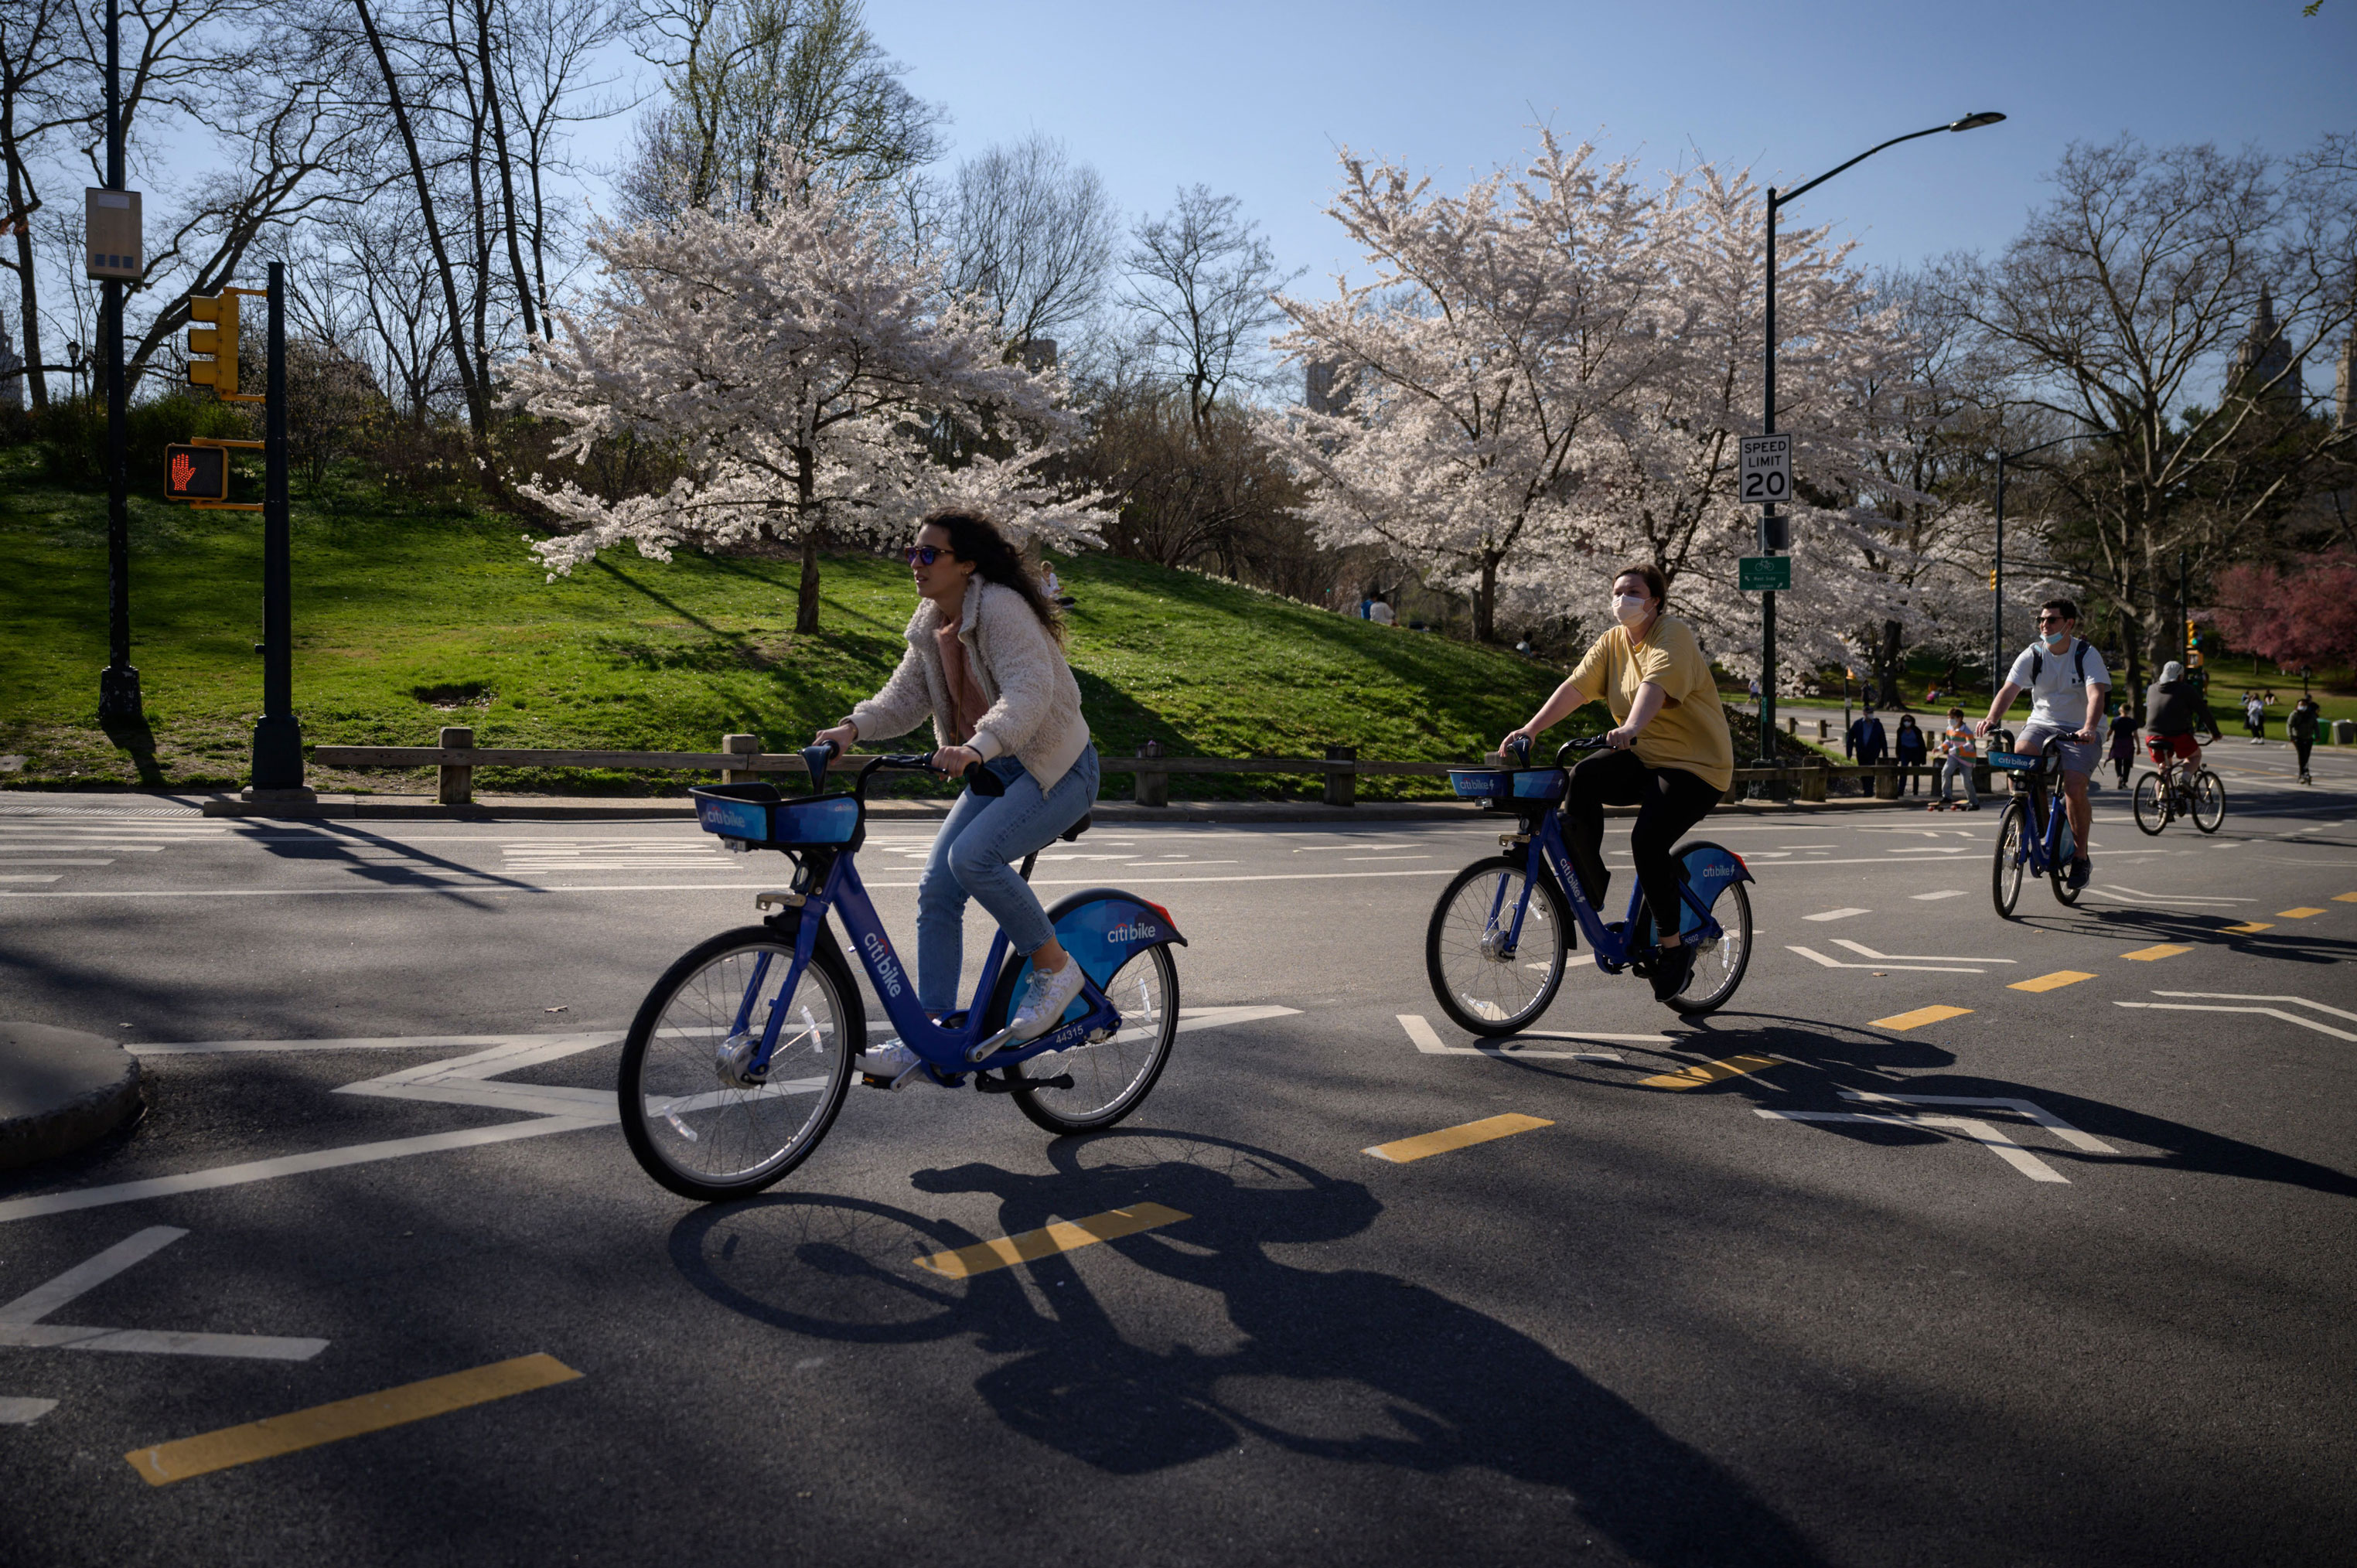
1087 820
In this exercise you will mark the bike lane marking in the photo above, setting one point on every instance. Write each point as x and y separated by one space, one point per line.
1837 914
2157 951
1710 1072
17 1411
2054 981
2302 913
1427 1041
1813 956
1918 1017
2345 898
2249 927
2085 1142
1985 1134
21 1324
2265 1011
1425 1144
166 1463
1063 1236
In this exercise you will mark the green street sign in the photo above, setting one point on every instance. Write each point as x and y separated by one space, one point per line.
1763 572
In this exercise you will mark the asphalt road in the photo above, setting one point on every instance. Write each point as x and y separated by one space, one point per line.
2100 1313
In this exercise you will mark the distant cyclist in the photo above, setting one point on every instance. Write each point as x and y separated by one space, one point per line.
1669 754
2067 685
985 663
2173 708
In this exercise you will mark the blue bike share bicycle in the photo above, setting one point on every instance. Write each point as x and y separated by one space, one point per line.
740 1056
2023 847
1501 933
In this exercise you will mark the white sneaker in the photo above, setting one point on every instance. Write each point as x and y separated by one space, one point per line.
889 1059
1045 998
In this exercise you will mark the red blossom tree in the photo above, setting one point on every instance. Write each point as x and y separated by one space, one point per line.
2305 616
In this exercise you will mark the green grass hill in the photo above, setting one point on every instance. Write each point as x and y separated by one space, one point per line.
408 620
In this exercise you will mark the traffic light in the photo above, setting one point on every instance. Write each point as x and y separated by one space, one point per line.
1992 579
196 474
218 339
2192 646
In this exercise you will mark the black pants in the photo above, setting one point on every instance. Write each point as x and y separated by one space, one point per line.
2120 766
2301 748
1670 802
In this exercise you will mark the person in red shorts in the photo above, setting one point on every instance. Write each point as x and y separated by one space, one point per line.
2172 708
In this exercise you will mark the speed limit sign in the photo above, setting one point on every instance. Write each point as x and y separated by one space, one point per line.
1765 469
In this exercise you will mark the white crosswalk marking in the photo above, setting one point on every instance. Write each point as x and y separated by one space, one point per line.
671 853
88 840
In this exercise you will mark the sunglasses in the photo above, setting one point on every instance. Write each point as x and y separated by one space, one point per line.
922 554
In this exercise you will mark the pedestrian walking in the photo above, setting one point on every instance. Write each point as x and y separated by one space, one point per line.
2123 743
2255 716
2305 719
1869 739
1956 758
1912 750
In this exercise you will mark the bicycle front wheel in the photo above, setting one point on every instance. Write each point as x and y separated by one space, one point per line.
1110 1079
2209 801
693 1124
2151 804
1483 984
2005 873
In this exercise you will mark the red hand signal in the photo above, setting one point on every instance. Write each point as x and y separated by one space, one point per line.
182 471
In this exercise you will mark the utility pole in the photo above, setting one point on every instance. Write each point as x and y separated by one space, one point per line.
277 735
118 683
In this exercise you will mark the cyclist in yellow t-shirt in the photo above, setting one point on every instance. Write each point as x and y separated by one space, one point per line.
1670 755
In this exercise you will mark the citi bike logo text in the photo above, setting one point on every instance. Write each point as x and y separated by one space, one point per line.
1135 931
888 968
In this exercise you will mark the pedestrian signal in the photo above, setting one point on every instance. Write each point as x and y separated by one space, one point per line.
218 339
196 474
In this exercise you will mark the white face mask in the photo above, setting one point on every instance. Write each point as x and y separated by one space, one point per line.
1629 608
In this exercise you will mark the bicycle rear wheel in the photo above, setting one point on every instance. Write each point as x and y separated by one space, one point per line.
1718 970
2151 804
1484 986
2005 873
696 1127
2209 801
1110 1079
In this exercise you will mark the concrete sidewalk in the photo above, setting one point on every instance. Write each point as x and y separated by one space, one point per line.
61 1089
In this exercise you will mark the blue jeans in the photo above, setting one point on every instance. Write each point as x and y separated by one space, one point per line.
980 845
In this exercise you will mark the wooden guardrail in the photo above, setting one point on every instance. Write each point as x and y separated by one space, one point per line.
740 759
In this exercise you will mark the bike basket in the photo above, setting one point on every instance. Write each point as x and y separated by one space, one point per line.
757 813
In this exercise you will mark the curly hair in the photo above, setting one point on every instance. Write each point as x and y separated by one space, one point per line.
975 537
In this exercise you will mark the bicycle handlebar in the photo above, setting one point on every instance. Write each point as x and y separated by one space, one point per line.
979 778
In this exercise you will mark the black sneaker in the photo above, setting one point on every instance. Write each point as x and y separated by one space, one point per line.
2081 871
1671 967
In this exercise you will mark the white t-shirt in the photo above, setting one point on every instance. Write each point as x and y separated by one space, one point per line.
1380 613
2059 694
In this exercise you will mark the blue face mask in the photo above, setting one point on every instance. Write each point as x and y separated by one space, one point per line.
2058 642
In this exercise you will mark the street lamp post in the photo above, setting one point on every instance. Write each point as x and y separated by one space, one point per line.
1773 530
1997 568
118 683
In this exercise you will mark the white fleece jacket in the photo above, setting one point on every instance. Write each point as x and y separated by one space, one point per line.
1035 703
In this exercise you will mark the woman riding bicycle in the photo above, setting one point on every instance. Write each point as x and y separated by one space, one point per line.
986 662
1670 755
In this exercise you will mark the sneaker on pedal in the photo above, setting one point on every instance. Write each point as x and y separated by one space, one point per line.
2081 871
1045 998
1671 967
888 1060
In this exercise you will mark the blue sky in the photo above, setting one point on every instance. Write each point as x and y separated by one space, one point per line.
1254 99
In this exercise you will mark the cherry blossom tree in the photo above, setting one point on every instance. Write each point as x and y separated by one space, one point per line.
1496 328
794 357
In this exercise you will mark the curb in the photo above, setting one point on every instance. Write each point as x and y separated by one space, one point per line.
61 1089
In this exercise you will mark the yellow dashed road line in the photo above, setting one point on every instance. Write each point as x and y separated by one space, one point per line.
232 1446
1064 1236
2345 898
2302 913
2054 981
2164 949
1918 1017
1449 1138
2248 926
1710 1073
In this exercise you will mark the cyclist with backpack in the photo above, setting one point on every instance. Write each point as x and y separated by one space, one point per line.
2067 685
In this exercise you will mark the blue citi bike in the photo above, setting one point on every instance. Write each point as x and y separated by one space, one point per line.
2033 837
1501 933
739 1058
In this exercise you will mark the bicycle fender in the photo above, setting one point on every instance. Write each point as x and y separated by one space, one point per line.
1101 927
1709 868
